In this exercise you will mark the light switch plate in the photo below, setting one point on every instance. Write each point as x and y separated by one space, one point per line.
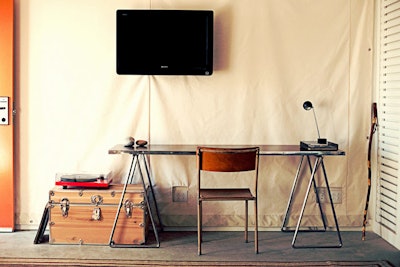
3 110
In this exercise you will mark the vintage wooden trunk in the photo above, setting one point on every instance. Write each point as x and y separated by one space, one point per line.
86 216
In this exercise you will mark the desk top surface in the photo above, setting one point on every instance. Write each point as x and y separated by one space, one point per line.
265 150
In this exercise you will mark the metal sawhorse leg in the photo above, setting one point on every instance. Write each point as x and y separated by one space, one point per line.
136 163
319 162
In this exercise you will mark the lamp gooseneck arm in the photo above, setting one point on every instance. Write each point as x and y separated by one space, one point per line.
316 123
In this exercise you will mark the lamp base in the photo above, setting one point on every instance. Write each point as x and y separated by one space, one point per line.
316 145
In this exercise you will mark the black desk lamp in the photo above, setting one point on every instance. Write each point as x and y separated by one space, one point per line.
307 105
321 143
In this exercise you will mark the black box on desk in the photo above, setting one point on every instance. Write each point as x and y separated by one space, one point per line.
315 146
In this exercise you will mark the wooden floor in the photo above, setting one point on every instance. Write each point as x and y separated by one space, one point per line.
275 246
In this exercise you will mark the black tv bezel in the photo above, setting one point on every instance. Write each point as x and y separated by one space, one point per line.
206 68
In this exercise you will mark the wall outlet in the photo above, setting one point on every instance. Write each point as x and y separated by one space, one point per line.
336 193
179 193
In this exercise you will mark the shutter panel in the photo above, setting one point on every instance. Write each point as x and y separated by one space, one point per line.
388 194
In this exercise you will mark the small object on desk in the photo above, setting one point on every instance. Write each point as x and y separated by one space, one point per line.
316 145
141 143
131 142
321 142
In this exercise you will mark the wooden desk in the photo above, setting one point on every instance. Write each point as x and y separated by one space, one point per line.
265 150
139 153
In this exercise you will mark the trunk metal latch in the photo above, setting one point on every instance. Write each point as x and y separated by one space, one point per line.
96 215
64 207
129 205
96 200
128 208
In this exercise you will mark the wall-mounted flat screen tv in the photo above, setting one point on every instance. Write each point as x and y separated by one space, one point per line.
165 42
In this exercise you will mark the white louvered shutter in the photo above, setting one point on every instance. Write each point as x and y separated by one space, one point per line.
388 184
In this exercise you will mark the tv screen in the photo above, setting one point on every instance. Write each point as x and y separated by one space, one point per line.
165 42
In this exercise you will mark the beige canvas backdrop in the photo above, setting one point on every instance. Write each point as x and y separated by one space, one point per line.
269 57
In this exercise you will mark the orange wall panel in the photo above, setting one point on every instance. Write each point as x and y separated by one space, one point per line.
6 131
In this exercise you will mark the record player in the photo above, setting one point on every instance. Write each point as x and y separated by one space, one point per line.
85 180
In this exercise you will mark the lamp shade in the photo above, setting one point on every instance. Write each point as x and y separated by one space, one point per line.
307 105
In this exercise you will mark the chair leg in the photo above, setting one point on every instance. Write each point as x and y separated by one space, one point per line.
256 227
246 224
199 226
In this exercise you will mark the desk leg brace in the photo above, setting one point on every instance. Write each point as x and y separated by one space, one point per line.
135 162
318 163
297 176
152 192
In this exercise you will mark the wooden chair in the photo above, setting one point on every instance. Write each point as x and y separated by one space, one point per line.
213 159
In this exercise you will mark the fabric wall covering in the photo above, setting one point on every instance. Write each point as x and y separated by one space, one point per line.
269 57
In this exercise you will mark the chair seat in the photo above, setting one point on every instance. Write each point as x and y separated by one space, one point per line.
226 194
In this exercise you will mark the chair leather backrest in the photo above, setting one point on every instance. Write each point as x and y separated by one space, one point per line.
227 159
